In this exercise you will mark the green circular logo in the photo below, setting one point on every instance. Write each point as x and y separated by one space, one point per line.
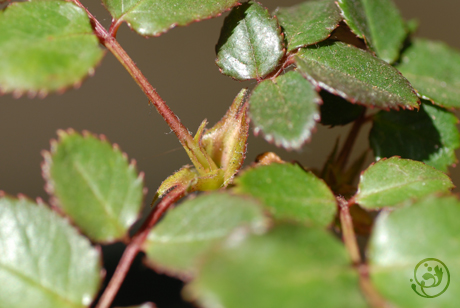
431 277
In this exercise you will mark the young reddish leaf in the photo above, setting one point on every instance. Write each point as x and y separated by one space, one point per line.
45 46
250 44
309 201
392 181
433 68
404 237
178 242
290 267
93 183
154 17
356 75
44 261
379 22
309 22
429 135
285 109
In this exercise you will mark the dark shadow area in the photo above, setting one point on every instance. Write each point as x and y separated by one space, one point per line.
234 19
337 111
406 133
142 284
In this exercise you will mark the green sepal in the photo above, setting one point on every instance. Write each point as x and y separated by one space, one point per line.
184 177
226 142
222 146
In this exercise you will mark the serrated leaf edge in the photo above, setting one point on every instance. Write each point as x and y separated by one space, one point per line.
42 93
120 20
187 276
354 201
66 220
49 183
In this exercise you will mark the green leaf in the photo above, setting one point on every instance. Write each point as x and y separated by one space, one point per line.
337 111
412 25
187 231
285 109
310 200
379 22
289 267
44 261
154 17
433 68
391 181
94 184
250 44
429 135
356 75
309 22
40 54
404 237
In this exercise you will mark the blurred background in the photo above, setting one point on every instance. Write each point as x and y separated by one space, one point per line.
180 65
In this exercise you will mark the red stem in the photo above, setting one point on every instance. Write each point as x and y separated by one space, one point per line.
134 247
373 297
114 27
111 44
348 232
349 238
348 145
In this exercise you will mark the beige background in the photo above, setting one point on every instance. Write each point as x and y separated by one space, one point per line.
180 64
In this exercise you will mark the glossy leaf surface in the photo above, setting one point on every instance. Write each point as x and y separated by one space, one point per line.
94 184
154 17
44 262
429 135
433 68
337 111
285 109
41 54
310 200
356 75
391 181
401 239
187 231
250 44
309 22
289 267
379 22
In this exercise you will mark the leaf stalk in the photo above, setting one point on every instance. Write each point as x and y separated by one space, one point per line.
135 246
182 133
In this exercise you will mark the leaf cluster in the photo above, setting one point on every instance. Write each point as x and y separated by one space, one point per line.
274 234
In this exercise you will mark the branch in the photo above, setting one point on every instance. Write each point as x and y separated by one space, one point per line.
349 238
135 246
373 297
182 133
348 145
348 233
